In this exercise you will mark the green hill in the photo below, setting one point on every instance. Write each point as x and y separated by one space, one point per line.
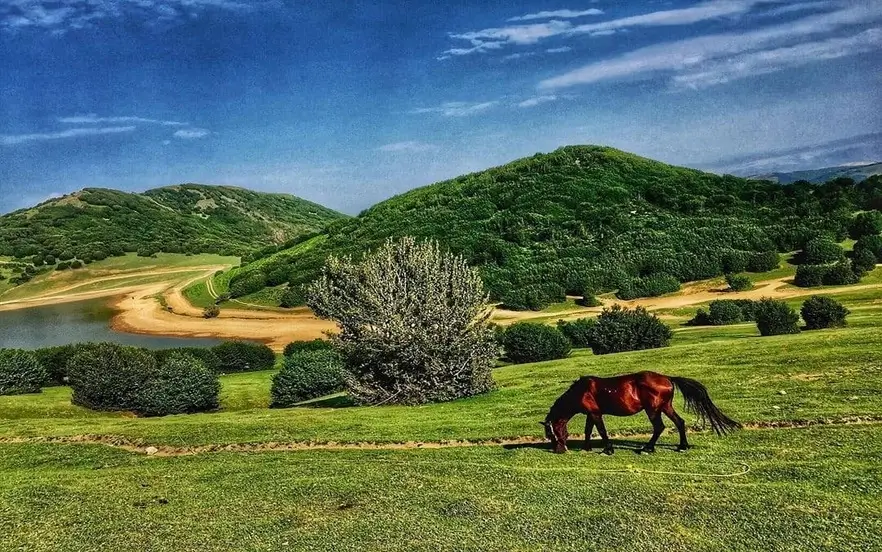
855 172
586 219
189 218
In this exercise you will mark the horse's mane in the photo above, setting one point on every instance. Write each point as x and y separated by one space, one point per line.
570 398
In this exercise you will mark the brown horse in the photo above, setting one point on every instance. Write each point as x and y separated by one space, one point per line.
627 395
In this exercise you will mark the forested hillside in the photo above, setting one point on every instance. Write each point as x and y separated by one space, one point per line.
588 219
817 176
190 218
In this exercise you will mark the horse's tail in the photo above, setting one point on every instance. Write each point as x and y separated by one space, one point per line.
699 403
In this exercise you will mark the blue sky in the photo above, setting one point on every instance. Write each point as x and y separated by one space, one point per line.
347 103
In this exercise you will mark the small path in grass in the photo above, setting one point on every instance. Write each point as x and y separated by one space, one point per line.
140 447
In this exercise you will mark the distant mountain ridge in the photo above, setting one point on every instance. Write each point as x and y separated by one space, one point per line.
857 173
186 218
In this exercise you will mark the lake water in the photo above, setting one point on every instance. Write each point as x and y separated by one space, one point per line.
77 322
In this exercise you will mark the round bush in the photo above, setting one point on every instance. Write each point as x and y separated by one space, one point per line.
808 275
650 286
868 223
776 318
204 354
20 372
108 376
739 282
54 360
873 244
619 329
531 342
243 356
821 312
292 297
840 274
724 312
182 384
862 261
307 375
212 311
578 331
821 251
304 346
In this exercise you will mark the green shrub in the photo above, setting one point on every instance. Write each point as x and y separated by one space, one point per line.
578 331
292 297
76 264
205 355
776 318
868 223
739 282
243 356
649 286
809 275
821 312
862 261
821 251
873 244
304 346
20 372
182 384
723 312
532 297
108 376
249 283
748 309
64 265
840 274
54 360
619 329
305 375
764 261
588 300
211 312
532 342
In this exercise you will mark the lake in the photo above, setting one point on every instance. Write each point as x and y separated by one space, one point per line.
65 323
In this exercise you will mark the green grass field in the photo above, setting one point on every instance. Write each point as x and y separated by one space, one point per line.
804 475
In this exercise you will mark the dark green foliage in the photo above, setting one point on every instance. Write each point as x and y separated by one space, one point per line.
649 286
862 261
822 251
864 224
181 384
776 318
739 282
619 329
841 274
20 372
304 346
587 218
871 244
292 297
821 312
55 359
211 312
307 375
588 300
247 284
722 312
108 376
204 354
243 356
190 218
531 342
64 265
578 331
808 275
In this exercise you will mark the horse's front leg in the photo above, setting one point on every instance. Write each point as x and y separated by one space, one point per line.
604 438
561 434
589 429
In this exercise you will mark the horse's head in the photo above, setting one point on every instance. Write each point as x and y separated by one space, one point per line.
556 432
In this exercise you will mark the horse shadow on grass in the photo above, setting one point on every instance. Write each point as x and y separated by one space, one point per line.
577 445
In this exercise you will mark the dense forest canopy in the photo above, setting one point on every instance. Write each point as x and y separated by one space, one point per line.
588 219
189 218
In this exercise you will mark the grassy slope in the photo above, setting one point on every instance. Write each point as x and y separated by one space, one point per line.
808 489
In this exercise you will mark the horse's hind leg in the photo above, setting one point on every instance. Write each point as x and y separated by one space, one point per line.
657 427
669 411
604 438
589 429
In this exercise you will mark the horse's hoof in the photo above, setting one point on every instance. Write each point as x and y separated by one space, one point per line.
560 451
647 450
608 451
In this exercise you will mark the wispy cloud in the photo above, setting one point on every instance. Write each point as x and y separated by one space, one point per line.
94 119
11 140
690 55
533 102
191 133
62 15
410 146
560 50
457 109
564 14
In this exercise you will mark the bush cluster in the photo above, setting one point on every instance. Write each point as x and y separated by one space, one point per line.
840 273
776 318
20 372
578 331
243 356
721 312
619 329
739 282
649 286
763 261
868 223
205 355
821 251
871 244
533 342
307 374
212 311
821 312
305 346
181 384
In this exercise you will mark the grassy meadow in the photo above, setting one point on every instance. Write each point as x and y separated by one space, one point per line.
816 487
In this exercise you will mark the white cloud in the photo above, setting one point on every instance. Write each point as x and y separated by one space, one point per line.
94 119
409 146
11 140
560 50
533 102
191 133
457 109
566 14
691 54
